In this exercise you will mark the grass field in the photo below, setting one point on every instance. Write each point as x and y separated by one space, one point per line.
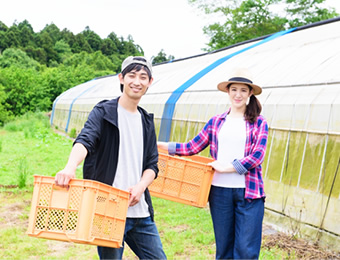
29 146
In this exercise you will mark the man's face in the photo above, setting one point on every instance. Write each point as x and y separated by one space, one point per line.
135 83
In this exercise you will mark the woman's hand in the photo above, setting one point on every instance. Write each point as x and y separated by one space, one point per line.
222 168
162 145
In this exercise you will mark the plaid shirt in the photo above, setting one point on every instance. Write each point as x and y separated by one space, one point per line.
250 164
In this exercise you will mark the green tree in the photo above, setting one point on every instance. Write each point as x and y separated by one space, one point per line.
3 37
117 61
26 34
44 41
68 37
304 12
80 44
116 42
19 85
35 68
38 54
92 38
129 48
63 50
53 31
13 37
97 61
3 27
3 41
244 20
161 57
108 47
17 58
4 114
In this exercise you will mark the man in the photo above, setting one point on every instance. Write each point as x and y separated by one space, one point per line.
118 143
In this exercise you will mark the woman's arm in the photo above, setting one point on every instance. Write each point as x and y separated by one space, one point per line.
256 156
194 146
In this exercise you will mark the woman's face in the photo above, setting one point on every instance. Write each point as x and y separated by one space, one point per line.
239 94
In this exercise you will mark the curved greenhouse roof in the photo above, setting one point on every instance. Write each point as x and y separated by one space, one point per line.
299 72
296 69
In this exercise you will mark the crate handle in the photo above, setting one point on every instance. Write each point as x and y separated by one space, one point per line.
57 187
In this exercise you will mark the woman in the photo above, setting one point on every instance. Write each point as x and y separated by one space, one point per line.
237 140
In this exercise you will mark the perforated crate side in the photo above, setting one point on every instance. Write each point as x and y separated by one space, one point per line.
89 212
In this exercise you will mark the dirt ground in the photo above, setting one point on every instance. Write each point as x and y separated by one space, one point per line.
11 215
299 248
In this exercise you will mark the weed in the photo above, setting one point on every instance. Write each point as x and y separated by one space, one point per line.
73 133
0 145
23 173
11 127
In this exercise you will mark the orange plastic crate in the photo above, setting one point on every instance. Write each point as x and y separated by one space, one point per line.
89 212
185 179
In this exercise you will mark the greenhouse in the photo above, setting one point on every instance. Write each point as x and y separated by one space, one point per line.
299 72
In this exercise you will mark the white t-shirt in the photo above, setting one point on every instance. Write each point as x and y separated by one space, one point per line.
130 158
231 146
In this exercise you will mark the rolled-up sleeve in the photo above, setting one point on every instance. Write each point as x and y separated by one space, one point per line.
257 150
172 148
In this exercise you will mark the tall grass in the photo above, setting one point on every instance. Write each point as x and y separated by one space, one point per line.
23 173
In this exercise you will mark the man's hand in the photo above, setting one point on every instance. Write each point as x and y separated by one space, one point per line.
136 193
137 190
63 178
77 155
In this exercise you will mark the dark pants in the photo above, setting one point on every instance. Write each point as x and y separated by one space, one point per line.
142 236
237 223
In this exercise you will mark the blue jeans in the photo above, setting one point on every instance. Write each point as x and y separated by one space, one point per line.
142 236
237 223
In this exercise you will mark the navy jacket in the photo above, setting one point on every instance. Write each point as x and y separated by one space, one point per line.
100 136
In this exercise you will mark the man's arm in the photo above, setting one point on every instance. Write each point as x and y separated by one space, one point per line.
137 190
77 155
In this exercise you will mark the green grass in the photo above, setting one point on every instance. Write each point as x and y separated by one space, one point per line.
29 145
184 230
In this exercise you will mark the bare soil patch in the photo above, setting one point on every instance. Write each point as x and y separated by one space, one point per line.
297 248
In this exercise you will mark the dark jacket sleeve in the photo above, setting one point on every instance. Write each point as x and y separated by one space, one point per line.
91 131
151 161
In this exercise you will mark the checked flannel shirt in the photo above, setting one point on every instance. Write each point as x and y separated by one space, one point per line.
250 164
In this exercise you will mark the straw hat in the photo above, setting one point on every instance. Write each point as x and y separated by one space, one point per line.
243 76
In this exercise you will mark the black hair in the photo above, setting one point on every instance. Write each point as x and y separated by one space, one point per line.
136 67
253 109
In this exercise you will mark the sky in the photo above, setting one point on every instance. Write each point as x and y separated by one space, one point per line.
174 26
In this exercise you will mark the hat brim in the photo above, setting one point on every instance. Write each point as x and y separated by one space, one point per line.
223 86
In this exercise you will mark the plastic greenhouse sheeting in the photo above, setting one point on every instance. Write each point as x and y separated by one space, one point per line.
298 70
